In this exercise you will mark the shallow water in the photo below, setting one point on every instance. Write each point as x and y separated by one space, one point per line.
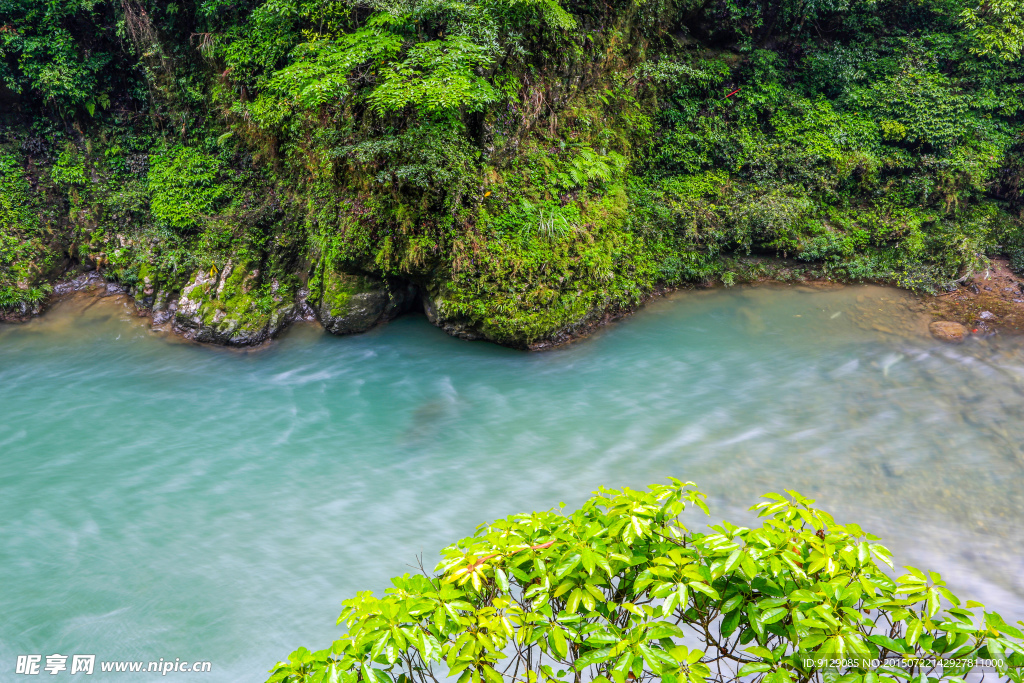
161 499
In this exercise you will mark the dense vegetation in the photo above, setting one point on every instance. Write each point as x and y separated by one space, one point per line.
526 164
620 590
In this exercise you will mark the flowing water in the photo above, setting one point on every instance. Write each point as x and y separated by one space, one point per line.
164 500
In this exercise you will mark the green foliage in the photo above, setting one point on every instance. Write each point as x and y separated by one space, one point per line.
544 269
70 167
24 255
431 163
920 105
321 71
531 164
436 76
43 55
186 185
621 590
388 62
998 28
589 166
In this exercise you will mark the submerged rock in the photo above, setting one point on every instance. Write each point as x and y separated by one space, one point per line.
347 304
228 308
947 331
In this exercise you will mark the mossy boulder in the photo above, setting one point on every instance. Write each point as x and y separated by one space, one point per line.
347 304
232 307
541 277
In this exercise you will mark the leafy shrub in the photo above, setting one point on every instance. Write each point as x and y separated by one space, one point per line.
774 217
23 255
16 210
997 27
70 168
610 591
186 187
921 105
61 67
436 76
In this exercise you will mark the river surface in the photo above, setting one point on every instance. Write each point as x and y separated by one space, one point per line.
160 499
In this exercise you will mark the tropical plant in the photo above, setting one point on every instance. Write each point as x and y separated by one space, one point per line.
591 166
998 28
620 590
185 186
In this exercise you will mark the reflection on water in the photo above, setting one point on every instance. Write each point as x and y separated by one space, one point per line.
160 499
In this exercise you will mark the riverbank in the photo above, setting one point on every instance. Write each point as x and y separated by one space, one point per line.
988 302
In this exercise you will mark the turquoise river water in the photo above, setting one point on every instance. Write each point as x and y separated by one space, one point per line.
164 500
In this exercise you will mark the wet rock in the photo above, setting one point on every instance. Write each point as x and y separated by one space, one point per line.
20 312
347 304
947 331
161 317
304 311
78 284
214 308
463 329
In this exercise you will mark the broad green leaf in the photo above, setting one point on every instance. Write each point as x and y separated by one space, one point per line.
914 631
753 668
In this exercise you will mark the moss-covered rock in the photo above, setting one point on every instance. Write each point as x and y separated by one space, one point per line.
231 307
545 274
346 304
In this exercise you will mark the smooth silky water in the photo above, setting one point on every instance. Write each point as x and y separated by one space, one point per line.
161 499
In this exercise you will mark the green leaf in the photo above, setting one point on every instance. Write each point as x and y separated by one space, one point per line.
754 668
501 579
812 641
730 623
762 652
557 642
804 595
622 667
593 657
732 561
914 631
573 603
491 675
732 603
889 643
994 621
705 589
